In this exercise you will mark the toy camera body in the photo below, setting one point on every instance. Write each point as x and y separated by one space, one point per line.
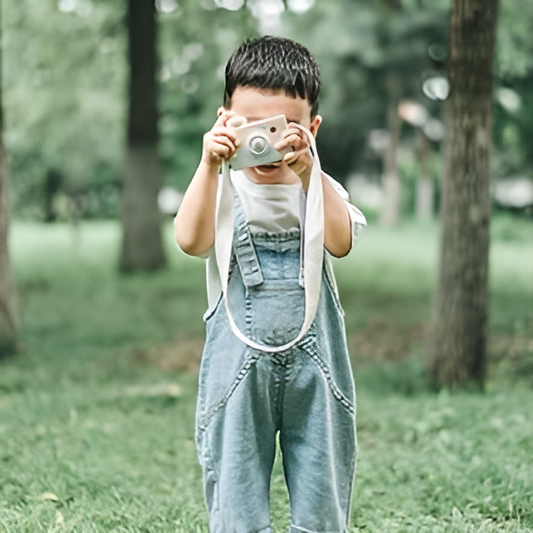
257 141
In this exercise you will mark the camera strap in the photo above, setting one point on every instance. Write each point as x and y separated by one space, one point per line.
312 243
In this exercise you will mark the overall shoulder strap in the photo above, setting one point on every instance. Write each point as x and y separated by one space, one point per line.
245 253
312 247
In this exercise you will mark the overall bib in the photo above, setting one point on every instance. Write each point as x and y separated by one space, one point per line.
247 396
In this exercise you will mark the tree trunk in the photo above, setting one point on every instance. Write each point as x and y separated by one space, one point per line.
52 185
142 245
390 212
458 344
424 184
8 294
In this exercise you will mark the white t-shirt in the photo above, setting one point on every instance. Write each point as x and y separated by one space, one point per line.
270 208
280 207
273 208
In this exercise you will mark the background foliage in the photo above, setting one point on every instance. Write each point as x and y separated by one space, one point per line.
65 94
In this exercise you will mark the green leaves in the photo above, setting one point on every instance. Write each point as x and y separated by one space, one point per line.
65 65
64 84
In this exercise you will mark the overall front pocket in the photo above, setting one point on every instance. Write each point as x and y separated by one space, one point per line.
276 312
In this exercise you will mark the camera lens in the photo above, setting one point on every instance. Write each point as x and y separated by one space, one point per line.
258 145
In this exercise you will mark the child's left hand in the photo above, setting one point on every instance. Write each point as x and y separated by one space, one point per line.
300 160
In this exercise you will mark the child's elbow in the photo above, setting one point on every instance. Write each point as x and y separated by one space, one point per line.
338 243
190 243
187 247
186 243
339 250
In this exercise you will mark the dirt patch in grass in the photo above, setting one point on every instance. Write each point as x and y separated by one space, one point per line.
378 341
179 356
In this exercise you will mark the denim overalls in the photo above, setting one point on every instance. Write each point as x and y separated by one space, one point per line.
247 396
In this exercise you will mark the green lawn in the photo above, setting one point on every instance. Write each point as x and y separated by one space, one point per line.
97 410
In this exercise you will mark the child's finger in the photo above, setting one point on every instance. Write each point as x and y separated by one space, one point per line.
292 157
224 146
289 158
295 137
223 117
295 129
281 144
294 141
228 133
219 145
297 142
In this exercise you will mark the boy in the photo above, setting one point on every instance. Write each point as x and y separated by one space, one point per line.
262 372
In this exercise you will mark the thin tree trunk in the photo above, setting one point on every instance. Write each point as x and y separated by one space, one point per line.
424 207
390 213
8 293
142 246
458 344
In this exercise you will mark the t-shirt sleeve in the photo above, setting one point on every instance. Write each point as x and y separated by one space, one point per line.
357 218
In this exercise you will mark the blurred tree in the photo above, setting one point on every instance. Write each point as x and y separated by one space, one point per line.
8 294
377 58
66 73
424 208
459 335
196 40
52 186
142 245
390 212
513 112
64 77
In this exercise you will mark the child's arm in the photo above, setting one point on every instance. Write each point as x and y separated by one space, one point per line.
337 221
194 226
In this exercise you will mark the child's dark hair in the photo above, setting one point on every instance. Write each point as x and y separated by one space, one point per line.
274 63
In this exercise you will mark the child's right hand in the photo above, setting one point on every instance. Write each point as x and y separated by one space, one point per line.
220 143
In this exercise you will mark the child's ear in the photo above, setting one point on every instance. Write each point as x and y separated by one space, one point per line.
220 110
315 124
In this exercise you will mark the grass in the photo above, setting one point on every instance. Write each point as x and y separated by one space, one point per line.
97 410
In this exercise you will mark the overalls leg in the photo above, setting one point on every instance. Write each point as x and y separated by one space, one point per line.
318 431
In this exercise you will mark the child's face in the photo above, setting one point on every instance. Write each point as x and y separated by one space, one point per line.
257 104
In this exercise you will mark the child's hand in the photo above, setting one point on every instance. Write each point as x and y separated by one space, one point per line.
220 143
300 160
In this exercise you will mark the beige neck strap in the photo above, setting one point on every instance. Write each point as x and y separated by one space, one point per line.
312 242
